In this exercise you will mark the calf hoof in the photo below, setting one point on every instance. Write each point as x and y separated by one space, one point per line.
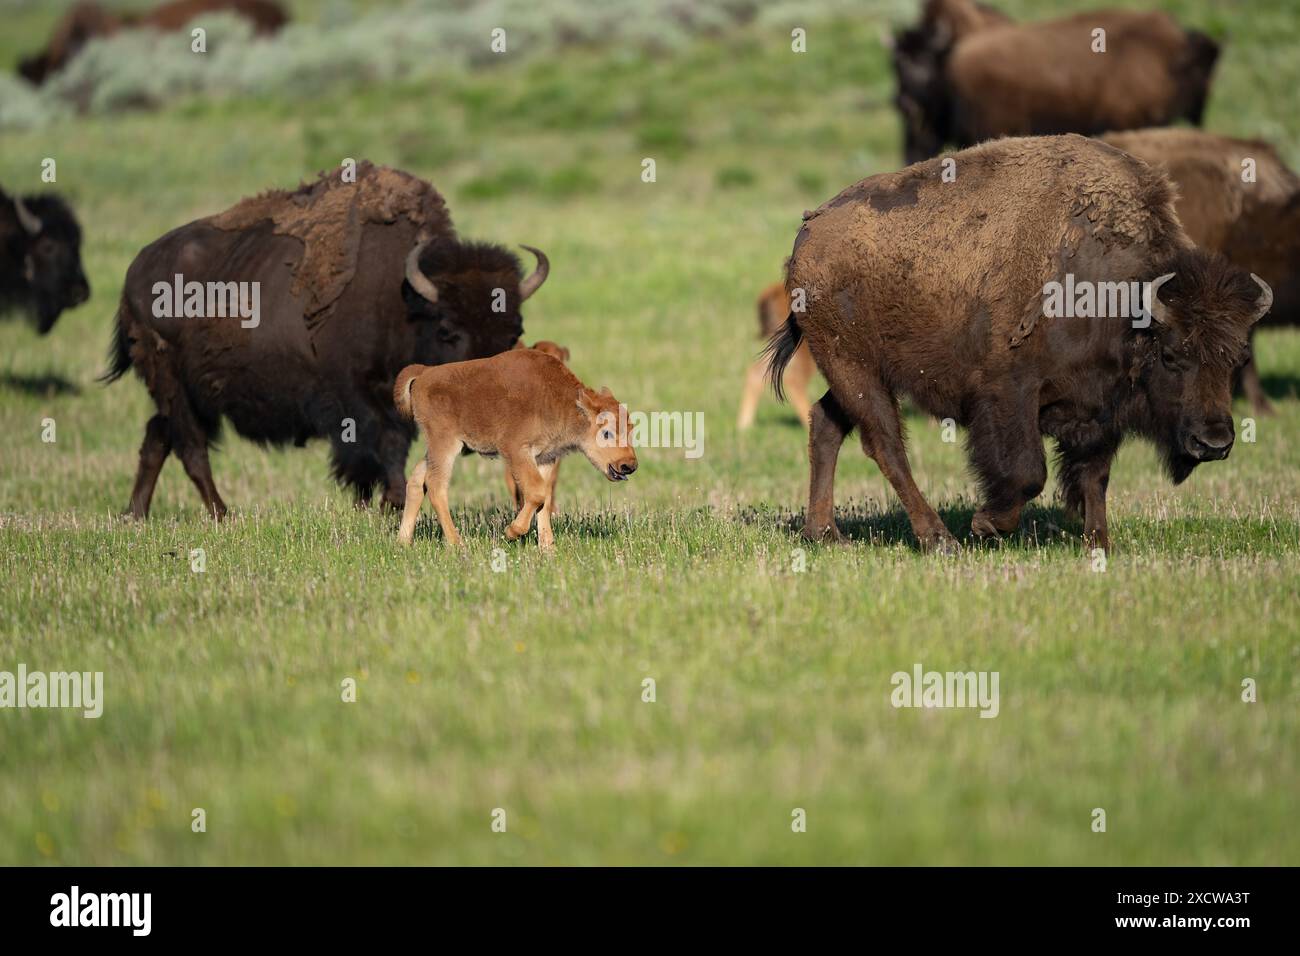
514 534
940 542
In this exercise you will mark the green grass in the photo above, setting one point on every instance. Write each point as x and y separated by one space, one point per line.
522 689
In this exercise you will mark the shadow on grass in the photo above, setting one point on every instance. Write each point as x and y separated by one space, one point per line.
1040 526
40 386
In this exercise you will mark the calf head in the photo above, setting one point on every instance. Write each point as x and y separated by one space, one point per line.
1199 335
605 440
472 293
40 257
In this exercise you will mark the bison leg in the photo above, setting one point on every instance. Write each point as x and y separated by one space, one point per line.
153 452
1254 389
1007 452
828 427
194 456
881 428
534 483
1084 480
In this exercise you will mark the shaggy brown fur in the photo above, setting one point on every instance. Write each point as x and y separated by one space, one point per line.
560 354
88 21
773 307
1255 224
523 405
963 78
329 215
935 291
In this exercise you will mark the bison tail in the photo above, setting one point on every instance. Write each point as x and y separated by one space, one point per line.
402 389
119 352
780 349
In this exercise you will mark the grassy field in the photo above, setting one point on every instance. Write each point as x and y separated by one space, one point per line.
522 689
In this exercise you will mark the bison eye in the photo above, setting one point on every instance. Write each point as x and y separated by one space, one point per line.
1169 357
607 435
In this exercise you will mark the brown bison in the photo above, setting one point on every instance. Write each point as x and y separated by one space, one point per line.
89 21
1237 197
773 306
940 291
290 315
965 75
40 259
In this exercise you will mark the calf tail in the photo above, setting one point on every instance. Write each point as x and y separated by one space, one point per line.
402 389
780 349
119 352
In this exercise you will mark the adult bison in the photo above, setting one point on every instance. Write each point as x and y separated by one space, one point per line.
90 21
1237 197
937 290
965 75
40 259
290 315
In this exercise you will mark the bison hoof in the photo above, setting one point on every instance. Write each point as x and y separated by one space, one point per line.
824 534
983 527
940 542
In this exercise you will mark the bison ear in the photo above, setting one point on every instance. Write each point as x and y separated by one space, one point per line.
585 403
605 392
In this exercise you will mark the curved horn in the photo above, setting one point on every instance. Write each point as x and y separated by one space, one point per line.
1158 310
534 282
419 281
26 218
1265 300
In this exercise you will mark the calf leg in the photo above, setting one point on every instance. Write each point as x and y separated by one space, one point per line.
414 498
828 427
533 484
797 376
545 538
754 380
153 452
441 459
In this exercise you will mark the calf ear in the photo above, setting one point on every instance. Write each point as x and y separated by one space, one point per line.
585 403
605 392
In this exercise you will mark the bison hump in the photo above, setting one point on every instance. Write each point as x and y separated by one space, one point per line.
329 216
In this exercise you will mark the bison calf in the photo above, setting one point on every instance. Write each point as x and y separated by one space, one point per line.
560 354
523 405
773 307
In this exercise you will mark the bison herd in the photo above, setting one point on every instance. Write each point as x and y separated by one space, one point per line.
1072 270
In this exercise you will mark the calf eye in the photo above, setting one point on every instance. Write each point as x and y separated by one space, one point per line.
607 435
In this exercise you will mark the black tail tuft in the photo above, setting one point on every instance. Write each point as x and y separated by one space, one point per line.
780 349
119 353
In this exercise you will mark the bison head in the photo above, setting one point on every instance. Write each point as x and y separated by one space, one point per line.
1199 335
40 244
922 95
472 292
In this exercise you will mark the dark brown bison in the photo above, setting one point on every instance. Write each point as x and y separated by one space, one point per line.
1237 197
40 259
291 314
89 21
965 75
940 291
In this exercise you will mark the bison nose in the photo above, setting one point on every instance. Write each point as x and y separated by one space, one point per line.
627 467
80 291
1211 444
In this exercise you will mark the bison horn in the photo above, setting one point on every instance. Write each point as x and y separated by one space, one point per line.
1158 310
29 221
418 280
1265 300
534 281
